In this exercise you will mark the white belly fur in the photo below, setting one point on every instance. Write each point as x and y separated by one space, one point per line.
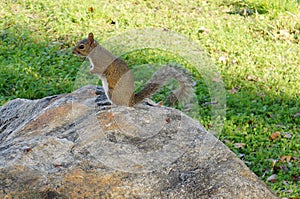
105 87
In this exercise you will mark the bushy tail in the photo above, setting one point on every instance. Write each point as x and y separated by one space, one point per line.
183 94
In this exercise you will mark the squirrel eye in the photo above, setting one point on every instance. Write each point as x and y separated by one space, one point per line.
81 46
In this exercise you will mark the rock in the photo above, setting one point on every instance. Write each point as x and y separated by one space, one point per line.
65 146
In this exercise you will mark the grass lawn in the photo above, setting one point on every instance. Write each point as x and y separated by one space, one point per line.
254 44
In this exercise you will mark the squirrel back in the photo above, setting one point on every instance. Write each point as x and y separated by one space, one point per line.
118 81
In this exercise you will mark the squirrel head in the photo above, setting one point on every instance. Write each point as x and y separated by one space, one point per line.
85 46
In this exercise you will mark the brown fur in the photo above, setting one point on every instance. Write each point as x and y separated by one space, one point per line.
114 72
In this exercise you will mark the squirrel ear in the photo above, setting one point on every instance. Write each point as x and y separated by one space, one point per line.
91 38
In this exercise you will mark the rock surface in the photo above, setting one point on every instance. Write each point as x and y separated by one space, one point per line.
65 147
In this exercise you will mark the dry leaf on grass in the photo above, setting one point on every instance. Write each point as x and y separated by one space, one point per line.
273 162
272 178
91 9
275 135
203 30
286 158
227 141
239 145
252 78
287 135
296 178
297 114
223 59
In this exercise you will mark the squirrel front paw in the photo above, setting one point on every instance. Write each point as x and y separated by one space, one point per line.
102 103
101 99
99 91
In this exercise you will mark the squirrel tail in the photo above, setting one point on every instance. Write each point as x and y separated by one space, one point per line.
161 77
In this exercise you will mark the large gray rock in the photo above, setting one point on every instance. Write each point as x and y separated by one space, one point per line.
65 147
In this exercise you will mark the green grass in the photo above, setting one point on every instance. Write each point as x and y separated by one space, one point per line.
254 44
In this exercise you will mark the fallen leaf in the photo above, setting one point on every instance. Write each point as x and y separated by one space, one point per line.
272 178
241 155
273 162
234 61
31 16
285 182
203 30
252 78
223 59
275 135
287 135
297 114
286 158
284 33
239 145
226 141
296 178
91 9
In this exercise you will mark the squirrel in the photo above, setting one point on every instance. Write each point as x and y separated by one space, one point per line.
117 78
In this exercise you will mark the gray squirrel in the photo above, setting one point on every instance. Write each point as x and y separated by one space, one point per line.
118 81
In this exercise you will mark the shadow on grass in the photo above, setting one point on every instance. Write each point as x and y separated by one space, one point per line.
32 68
